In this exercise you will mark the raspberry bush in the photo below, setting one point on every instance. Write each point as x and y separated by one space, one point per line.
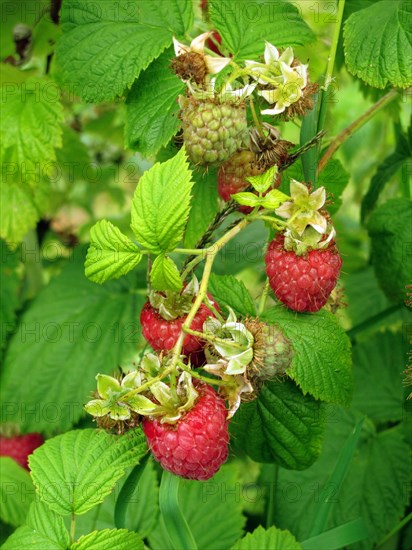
206 274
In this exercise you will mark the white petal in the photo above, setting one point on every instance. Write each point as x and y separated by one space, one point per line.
297 189
215 64
302 71
287 56
271 53
271 96
198 44
179 47
274 111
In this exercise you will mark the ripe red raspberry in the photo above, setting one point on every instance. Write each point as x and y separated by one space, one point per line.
197 445
162 334
212 45
232 175
302 283
20 447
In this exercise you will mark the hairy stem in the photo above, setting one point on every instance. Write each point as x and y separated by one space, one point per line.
263 298
356 124
211 338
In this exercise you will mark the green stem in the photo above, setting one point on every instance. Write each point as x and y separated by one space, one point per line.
207 379
212 308
330 66
397 528
33 282
352 332
190 251
263 298
211 338
256 119
147 385
72 528
190 267
212 251
356 124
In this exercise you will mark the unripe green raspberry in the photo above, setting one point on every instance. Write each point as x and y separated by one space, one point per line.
212 130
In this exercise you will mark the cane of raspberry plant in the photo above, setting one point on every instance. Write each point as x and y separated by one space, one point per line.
196 445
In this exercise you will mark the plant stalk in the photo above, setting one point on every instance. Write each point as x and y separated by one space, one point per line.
356 124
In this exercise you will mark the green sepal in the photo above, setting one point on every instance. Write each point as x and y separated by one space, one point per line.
262 182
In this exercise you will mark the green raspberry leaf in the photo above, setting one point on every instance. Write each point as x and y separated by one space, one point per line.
282 425
262 182
9 295
42 529
229 291
390 228
161 204
16 492
375 488
267 538
74 472
321 362
165 275
378 45
273 199
30 131
245 26
246 199
91 328
104 47
152 108
386 170
121 539
111 254
204 206
334 178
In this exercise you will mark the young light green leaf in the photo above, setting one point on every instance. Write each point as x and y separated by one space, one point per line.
161 204
321 363
246 199
74 472
229 291
21 213
201 504
42 529
267 538
378 46
132 32
282 425
121 539
152 108
273 199
165 275
74 322
244 28
111 254
262 182
16 492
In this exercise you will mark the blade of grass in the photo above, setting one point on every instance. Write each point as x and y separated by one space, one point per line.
180 535
126 491
339 537
397 528
336 479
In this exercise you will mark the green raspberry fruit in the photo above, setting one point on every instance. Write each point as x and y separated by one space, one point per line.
212 131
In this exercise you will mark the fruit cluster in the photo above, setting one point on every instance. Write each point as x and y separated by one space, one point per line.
196 348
